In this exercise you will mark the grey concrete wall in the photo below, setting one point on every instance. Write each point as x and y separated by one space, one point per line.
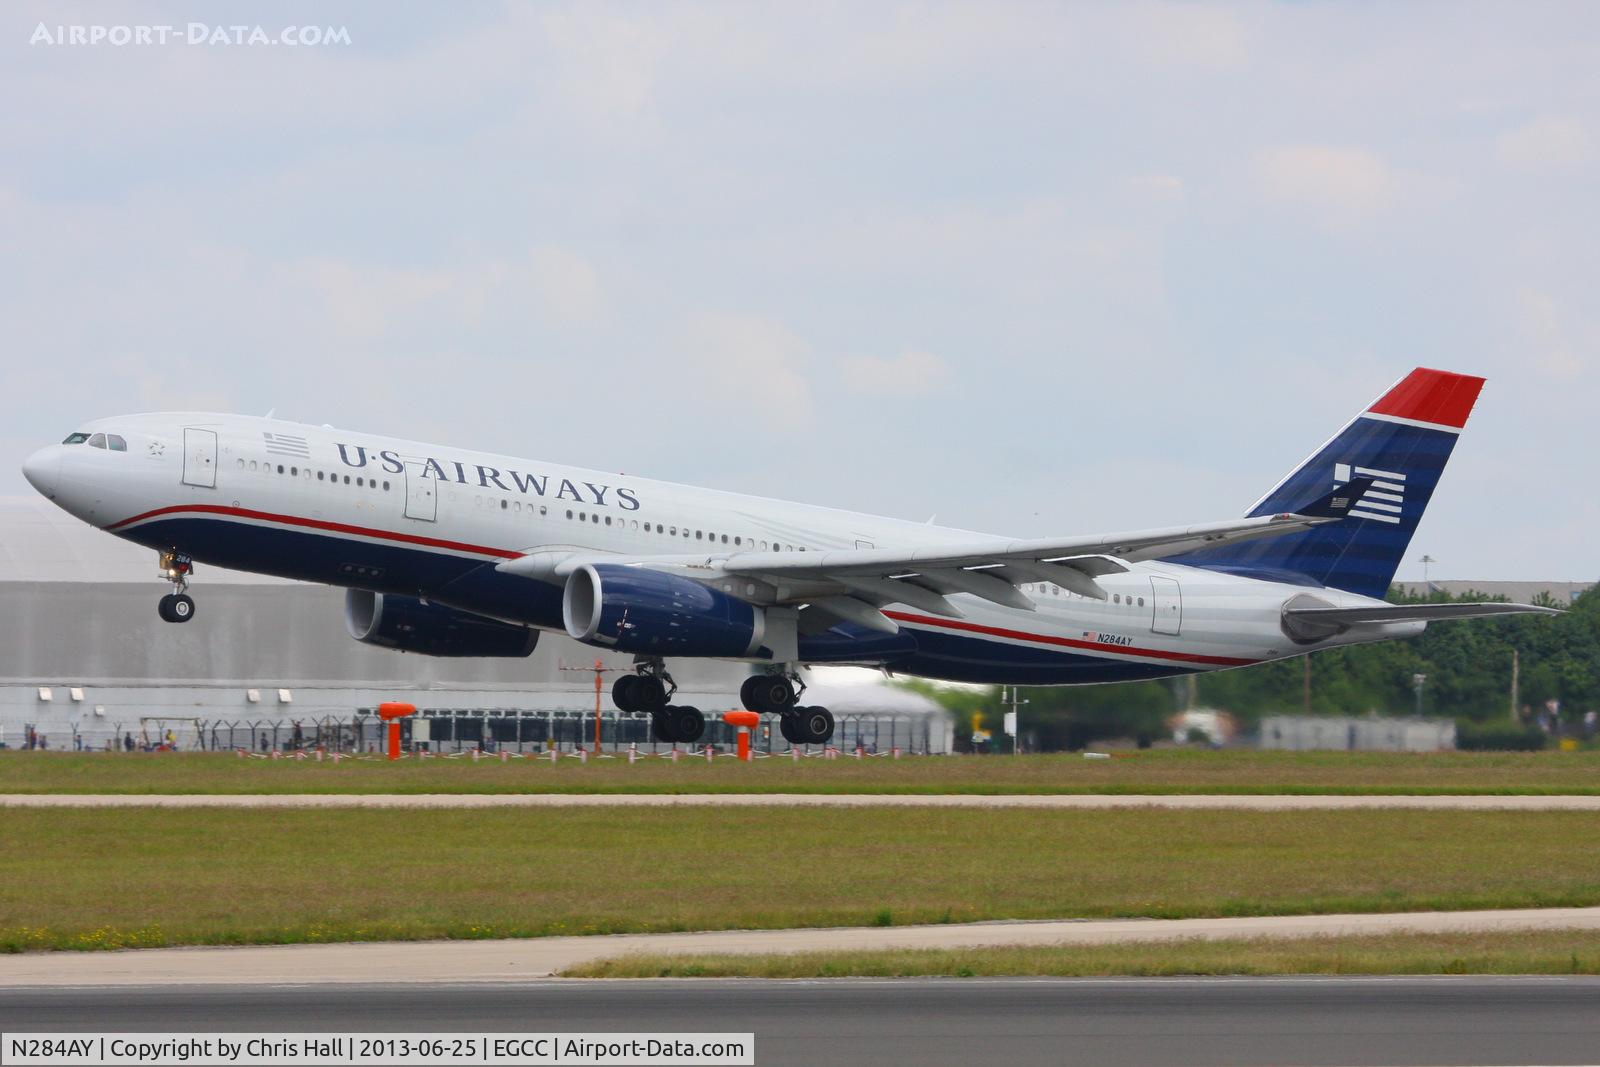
1305 732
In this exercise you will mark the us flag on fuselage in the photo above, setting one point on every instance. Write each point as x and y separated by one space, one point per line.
283 444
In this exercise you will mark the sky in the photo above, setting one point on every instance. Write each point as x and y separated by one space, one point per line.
1042 269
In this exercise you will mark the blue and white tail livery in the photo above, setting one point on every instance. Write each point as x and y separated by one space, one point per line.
448 551
1402 442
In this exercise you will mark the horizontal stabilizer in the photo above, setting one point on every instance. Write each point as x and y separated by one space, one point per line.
1410 613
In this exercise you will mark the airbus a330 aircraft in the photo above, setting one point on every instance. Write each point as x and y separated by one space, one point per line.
454 553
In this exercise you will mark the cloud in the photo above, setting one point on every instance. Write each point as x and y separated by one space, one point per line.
568 285
364 303
1190 35
1560 347
753 363
1160 187
1338 186
914 370
1546 145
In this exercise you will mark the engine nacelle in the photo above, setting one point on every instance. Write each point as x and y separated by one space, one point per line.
411 625
632 609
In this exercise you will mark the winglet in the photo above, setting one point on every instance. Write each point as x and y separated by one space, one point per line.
1337 504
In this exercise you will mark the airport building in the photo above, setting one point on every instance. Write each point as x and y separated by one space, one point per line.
88 663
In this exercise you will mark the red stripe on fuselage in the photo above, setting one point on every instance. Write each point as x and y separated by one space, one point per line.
1068 642
319 524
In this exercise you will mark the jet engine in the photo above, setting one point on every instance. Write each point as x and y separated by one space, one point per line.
632 609
411 625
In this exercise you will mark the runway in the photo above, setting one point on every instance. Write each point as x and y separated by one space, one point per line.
401 962
1088 801
1294 1022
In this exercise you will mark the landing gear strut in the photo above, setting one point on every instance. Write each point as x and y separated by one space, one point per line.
649 690
773 694
778 693
178 605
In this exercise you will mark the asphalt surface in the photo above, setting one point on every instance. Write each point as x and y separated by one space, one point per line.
1179 1022
1202 801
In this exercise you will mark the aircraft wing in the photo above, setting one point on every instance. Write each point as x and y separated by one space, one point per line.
853 585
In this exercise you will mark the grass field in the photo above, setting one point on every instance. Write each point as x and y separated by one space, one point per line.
1151 771
1543 952
145 877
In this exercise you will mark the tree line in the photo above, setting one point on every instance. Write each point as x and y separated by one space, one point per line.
1467 664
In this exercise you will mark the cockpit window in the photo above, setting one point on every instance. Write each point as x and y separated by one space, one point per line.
97 441
116 442
75 439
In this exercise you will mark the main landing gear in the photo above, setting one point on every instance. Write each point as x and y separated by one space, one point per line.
776 694
178 605
649 690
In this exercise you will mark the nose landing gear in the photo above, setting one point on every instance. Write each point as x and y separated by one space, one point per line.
178 605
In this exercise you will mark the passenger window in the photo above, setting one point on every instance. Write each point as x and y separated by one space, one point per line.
1116 598
75 439
346 479
115 442
541 509
385 487
294 472
97 441
595 518
608 520
736 540
252 464
1141 602
699 535
359 481
505 505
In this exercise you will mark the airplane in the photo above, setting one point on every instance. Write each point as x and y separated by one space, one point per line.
448 552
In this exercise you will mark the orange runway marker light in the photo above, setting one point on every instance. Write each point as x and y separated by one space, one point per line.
392 713
745 721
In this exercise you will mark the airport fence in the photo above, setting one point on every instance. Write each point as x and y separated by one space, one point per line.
522 731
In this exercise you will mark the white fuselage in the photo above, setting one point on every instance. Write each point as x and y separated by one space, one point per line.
405 517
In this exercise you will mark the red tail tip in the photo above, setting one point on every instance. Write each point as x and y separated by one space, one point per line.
1438 397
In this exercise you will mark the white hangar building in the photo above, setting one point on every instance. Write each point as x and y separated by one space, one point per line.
87 661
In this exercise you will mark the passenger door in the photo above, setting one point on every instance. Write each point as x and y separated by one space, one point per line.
422 497
199 457
1168 597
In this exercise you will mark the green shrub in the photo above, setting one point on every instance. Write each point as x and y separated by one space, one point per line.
1497 736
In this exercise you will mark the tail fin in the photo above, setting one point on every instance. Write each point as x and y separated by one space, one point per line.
1401 443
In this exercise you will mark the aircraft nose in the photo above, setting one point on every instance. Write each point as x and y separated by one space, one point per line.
43 470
